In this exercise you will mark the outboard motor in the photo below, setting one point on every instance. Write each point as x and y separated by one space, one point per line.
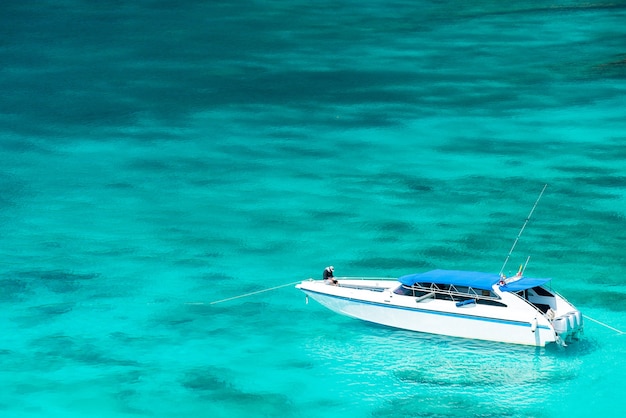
577 318
561 326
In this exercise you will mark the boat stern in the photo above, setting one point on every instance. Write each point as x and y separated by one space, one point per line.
569 326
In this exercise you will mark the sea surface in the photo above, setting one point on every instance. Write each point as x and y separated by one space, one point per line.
162 163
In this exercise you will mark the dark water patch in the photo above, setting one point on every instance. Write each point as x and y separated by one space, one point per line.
378 118
113 252
289 135
571 196
612 150
180 321
494 191
328 215
267 248
396 227
125 338
56 349
58 281
613 69
151 165
601 298
608 181
207 379
499 216
120 186
524 9
24 146
302 87
250 308
444 252
190 171
503 148
138 343
299 365
13 290
608 275
195 261
388 239
607 220
53 309
126 397
309 175
130 376
586 170
11 189
207 255
264 404
275 219
252 401
216 277
388 263
603 229
216 385
418 186
330 403
478 242
30 388
427 377
147 134
392 231
219 318
303 151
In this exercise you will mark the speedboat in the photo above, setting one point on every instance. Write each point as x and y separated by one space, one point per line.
466 304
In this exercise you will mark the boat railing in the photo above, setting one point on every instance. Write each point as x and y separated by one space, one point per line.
448 292
523 295
363 283
542 303
366 279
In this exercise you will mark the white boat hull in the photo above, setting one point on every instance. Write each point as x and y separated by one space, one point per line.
512 324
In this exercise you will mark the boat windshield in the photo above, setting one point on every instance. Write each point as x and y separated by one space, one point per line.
446 291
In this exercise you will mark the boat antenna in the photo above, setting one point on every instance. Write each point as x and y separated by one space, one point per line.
525 264
522 230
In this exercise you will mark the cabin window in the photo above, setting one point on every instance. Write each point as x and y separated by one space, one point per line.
404 290
409 291
448 292
541 291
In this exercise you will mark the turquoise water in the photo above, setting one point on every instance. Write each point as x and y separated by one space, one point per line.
158 156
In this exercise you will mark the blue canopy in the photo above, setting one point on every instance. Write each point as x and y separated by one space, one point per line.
474 279
523 284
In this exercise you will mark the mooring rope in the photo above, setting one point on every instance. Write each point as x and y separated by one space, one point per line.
603 324
245 294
